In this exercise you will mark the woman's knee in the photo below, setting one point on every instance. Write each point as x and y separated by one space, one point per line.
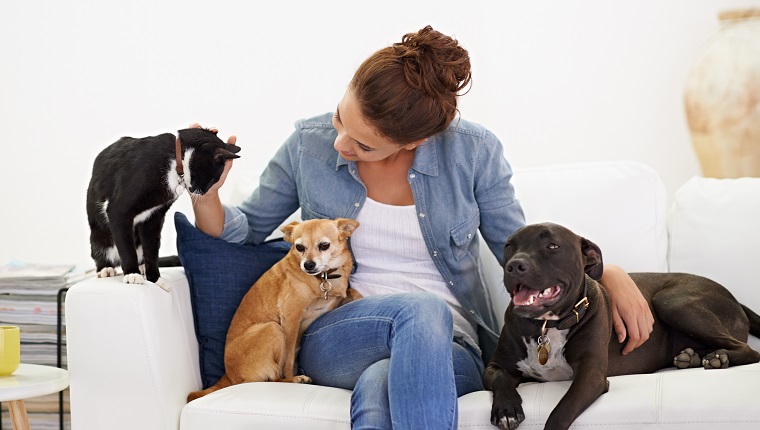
429 305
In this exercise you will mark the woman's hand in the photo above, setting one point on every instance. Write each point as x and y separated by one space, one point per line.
214 190
629 308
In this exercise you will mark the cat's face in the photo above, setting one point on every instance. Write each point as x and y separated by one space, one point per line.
209 156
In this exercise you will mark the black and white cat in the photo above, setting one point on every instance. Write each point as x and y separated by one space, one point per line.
133 184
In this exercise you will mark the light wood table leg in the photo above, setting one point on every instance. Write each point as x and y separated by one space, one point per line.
18 415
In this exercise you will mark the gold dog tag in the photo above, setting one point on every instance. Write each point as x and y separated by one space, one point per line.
543 346
543 354
543 350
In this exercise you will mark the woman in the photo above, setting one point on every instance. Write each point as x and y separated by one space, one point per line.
422 183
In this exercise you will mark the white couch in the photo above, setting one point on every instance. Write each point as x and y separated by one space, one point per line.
133 355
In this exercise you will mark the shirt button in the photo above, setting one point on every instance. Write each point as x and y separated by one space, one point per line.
412 176
469 236
472 311
422 215
451 283
435 253
357 204
353 171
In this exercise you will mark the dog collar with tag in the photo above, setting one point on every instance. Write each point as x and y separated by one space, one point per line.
326 285
569 320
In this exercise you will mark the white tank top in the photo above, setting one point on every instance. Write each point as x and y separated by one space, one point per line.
391 257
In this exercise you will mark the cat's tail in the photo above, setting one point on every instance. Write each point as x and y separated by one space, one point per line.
223 382
170 261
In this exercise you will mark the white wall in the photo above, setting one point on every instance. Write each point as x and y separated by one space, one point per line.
558 81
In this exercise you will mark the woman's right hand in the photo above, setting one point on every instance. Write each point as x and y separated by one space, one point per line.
214 190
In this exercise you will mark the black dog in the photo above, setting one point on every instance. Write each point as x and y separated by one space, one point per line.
559 325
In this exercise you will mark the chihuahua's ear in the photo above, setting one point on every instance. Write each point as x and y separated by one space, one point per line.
346 226
288 231
592 256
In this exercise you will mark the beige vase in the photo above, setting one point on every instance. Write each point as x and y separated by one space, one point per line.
722 98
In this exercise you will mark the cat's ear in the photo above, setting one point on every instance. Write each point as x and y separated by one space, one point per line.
232 148
223 154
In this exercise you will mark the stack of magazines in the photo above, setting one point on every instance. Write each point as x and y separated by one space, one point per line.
29 299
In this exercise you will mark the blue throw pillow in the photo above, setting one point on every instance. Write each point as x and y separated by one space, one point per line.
219 273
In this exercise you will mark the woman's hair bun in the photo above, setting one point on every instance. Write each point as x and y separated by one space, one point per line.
408 91
434 62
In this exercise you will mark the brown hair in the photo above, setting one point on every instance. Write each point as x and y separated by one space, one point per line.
408 91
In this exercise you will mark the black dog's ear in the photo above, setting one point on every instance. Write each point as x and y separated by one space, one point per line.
593 259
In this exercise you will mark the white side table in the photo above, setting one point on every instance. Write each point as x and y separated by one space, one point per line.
30 380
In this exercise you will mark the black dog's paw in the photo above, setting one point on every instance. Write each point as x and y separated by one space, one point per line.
716 360
686 359
507 415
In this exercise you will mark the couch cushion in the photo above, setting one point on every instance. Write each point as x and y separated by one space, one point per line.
671 399
219 274
714 228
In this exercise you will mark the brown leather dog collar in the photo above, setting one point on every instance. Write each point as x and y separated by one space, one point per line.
572 318
178 151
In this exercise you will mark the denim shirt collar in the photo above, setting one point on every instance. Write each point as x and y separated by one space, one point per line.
425 158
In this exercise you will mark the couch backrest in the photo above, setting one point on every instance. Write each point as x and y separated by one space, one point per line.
714 229
620 206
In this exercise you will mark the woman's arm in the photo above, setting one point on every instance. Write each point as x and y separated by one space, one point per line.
630 311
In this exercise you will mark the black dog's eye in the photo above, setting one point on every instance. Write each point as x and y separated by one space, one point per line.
300 248
324 246
553 246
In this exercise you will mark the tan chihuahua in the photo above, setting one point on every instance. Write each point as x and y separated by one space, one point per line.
309 281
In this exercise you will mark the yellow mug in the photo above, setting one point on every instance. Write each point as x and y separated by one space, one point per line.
10 349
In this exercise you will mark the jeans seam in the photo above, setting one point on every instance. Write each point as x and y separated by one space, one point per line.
348 320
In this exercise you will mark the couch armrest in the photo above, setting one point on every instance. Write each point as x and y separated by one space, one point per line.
132 353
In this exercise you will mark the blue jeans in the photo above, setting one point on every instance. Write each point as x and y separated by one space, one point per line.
397 355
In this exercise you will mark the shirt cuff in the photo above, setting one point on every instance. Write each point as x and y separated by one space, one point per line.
235 225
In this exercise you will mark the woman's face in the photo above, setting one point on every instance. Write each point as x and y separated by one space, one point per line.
357 140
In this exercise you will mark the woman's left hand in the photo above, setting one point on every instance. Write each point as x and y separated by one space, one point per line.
630 311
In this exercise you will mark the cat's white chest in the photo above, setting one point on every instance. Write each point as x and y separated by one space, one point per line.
174 183
556 367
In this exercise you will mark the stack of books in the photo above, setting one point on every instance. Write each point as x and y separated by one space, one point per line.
29 299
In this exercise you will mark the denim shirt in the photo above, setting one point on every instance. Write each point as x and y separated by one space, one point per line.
460 181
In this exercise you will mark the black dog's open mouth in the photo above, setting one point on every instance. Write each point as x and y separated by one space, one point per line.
524 296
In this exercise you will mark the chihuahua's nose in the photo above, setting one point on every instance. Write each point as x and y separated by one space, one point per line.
309 265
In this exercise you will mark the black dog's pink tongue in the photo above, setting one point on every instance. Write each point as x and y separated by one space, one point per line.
524 296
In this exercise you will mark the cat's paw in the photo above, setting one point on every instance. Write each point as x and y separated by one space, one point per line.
106 272
142 269
133 278
164 284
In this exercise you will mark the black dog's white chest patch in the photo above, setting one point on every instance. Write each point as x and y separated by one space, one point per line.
556 368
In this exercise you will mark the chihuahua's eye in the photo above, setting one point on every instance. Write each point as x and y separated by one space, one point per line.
324 246
553 246
300 248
